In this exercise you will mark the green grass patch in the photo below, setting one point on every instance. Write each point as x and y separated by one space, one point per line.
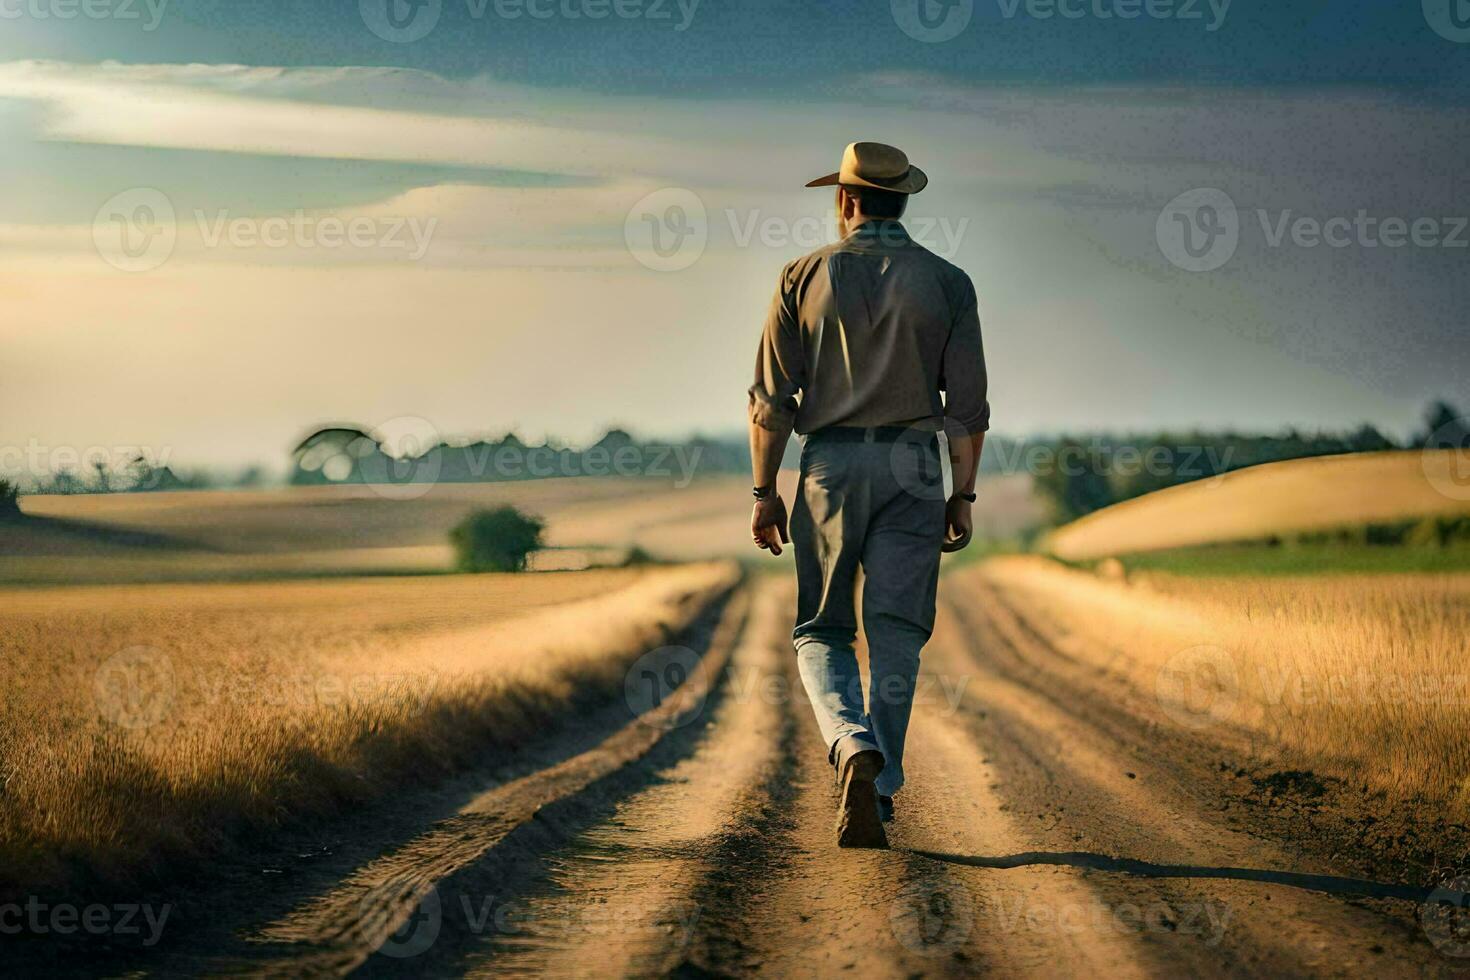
1307 558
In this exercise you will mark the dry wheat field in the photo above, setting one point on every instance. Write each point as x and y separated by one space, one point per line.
147 724
1364 678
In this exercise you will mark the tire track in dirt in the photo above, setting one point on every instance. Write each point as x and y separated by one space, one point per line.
645 890
1098 795
413 908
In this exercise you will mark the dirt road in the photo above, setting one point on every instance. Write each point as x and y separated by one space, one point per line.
1047 829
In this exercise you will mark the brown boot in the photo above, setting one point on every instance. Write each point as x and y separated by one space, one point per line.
858 823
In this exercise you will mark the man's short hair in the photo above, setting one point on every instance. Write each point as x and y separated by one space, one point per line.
877 203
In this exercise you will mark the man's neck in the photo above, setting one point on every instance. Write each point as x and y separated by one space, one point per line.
859 222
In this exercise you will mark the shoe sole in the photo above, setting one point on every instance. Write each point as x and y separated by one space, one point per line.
858 823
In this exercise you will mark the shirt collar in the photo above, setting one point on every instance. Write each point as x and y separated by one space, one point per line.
883 230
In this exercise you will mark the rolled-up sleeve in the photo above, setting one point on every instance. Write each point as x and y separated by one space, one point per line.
966 385
780 364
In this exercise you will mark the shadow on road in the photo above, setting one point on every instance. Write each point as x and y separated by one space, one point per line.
1147 869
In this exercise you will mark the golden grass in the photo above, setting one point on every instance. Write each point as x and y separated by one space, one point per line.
1297 495
151 725
1363 677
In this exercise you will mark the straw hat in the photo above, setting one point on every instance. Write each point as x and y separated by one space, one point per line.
876 165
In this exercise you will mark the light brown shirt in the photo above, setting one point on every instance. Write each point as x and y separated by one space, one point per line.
869 331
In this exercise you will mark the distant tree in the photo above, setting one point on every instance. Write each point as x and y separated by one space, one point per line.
251 476
614 440
65 481
9 501
1367 439
145 477
1444 427
498 540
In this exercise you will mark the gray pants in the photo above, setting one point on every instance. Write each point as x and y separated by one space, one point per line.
875 506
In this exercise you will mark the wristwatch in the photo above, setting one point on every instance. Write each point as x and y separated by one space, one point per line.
761 493
966 496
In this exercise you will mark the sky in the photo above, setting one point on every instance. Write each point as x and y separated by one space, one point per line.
225 222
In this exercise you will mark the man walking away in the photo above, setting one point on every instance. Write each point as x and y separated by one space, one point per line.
872 353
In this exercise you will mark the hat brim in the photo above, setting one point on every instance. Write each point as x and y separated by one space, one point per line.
910 183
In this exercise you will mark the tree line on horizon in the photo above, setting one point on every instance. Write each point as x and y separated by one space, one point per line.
1076 475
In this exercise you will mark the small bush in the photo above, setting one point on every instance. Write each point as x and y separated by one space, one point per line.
9 501
637 555
498 540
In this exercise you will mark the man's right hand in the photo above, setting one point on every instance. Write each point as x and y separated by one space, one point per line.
768 524
958 526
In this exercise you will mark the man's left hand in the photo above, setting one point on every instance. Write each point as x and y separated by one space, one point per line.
958 526
768 524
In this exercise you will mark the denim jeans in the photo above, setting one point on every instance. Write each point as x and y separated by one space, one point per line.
873 507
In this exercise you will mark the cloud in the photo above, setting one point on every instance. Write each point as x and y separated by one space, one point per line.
281 111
